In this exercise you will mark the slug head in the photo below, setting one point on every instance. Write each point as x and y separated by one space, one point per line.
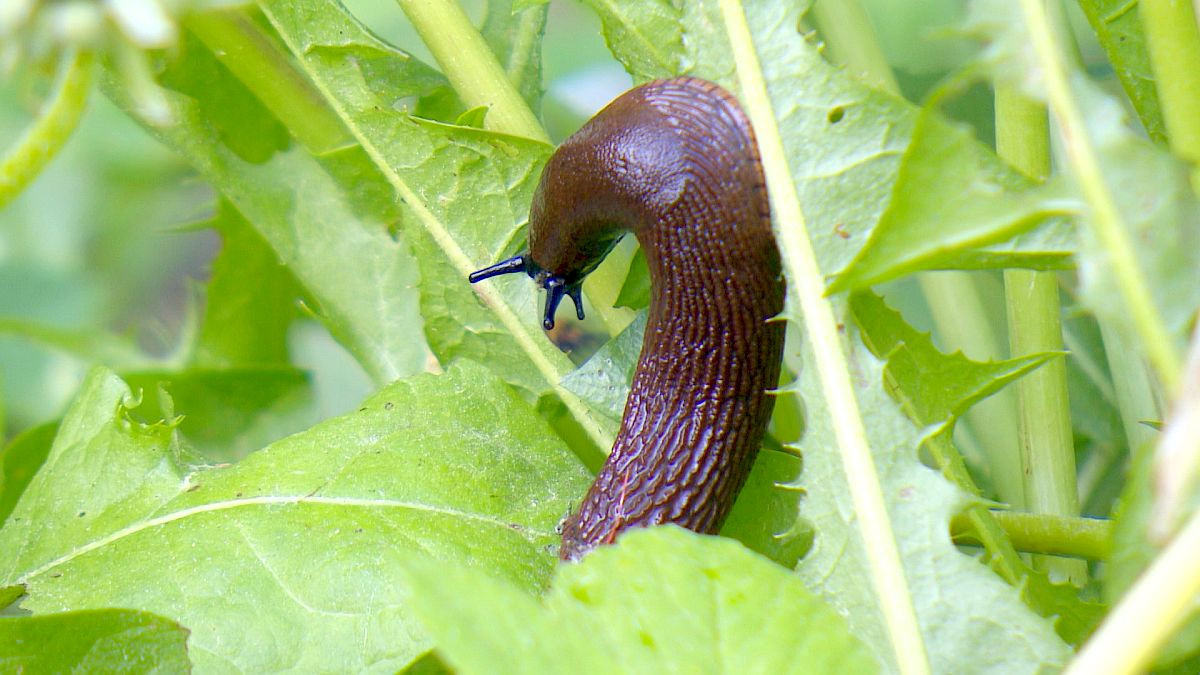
565 242
619 170
556 286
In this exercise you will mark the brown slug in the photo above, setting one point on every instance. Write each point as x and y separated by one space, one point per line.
675 162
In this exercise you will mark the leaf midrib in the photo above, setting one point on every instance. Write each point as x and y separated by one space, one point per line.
527 533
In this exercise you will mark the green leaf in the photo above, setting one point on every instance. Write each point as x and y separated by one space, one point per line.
660 600
318 217
472 118
920 503
951 198
95 641
252 299
1119 30
646 37
227 412
766 517
428 664
21 459
9 595
603 380
293 558
635 292
934 390
464 196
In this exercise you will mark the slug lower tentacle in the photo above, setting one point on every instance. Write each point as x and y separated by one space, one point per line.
675 162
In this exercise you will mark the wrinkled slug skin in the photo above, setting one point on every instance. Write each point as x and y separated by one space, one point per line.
674 162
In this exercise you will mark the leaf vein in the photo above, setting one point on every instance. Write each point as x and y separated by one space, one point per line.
166 519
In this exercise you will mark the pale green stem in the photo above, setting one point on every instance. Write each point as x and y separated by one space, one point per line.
848 31
251 56
1047 447
471 67
1052 535
874 523
1149 613
1104 219
54 124
1173 40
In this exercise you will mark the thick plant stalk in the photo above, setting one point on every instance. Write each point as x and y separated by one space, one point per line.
1044 414
471 67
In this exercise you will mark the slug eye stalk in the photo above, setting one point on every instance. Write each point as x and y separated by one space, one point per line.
556 286
517 263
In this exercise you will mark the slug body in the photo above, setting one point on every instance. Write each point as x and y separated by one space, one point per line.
674 162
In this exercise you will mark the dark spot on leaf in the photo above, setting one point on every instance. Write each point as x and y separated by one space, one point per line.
56 575
836 114
358 529
237 494
514 526
194 488
389 405
81 514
